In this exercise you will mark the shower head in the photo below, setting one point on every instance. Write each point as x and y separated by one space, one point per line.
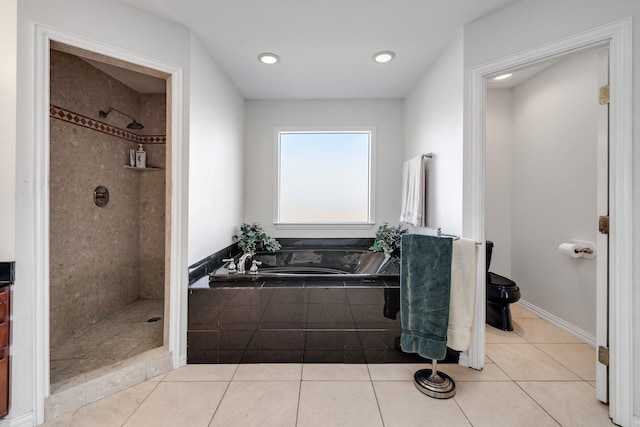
133 125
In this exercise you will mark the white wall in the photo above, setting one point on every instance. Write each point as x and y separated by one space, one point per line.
532 23
434 123
555 116
553 186
499 136
216 150
263 116
8 46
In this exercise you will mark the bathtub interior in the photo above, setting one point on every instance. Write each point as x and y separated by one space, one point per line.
349 264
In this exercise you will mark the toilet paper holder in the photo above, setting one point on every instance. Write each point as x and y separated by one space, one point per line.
578 249
584 251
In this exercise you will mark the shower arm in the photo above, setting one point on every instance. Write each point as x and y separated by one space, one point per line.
104 114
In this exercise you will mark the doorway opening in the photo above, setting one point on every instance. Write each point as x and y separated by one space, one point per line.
617 36
544 191
107 214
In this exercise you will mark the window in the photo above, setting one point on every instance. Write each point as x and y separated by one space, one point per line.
324 177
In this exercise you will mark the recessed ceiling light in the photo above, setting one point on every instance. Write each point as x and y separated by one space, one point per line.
502 76
268 58
384 56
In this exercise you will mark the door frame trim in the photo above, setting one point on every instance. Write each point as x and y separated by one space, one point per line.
602 240
39 200
618 37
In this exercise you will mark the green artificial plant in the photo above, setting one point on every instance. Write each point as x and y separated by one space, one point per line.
253 236
387 239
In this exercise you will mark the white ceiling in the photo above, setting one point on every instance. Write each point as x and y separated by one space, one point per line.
139 82
520 75
325 45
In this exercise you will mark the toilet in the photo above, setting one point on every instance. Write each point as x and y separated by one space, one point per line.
500 293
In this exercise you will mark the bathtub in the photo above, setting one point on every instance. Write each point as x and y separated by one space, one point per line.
309 264
314 301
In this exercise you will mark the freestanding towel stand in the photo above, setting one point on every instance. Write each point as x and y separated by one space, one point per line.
429 381
433 383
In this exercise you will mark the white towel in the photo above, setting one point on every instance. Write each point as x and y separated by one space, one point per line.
414 192
463 294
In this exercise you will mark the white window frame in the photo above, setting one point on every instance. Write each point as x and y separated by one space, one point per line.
371 130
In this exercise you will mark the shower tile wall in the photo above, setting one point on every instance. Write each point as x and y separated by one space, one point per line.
95 252
152 200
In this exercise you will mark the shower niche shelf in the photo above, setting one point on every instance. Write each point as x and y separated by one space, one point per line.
148 168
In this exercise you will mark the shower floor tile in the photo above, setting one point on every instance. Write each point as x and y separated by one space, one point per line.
121 336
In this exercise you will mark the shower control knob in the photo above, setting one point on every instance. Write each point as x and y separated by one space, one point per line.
101 196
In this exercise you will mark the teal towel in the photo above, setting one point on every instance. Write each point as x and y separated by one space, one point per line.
425 285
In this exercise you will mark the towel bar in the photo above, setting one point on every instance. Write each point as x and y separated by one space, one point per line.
439 233
433 383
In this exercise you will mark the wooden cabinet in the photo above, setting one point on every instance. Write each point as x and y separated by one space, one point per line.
4 349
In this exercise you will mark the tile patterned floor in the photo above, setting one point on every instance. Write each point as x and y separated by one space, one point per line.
535 376
121 336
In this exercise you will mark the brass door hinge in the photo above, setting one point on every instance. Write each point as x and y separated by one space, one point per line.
604 95
603 355
603 224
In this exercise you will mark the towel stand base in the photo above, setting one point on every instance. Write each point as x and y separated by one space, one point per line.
433 383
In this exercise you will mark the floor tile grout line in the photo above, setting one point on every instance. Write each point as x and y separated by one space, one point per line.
299 395
235 371
501 369
537 403
375 395
219 403
567 367
550 357
140 404
462 410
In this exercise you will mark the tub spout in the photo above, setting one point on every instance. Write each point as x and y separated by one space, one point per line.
241 262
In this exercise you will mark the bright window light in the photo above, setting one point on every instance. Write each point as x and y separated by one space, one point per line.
324 177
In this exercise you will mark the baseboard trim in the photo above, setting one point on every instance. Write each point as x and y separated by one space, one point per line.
25 420
562 324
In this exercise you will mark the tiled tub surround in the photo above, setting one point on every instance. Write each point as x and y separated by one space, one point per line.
267 318
96 261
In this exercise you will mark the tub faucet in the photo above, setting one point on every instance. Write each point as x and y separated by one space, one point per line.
254 267
231 267
241 262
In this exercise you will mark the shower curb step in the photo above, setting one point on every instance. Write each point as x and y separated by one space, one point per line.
93 386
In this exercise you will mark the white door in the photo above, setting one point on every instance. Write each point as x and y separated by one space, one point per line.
602 243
